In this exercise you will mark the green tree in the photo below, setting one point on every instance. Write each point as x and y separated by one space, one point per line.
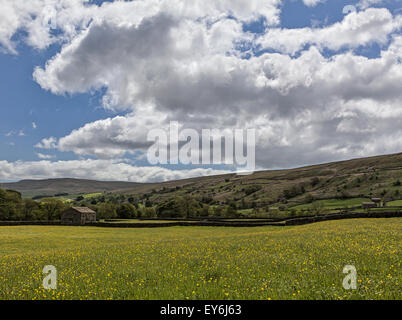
106 211
218 211
148 203
31 209
10 205
126 211
53 208
174 208
204 211
149 213
231 211
191 206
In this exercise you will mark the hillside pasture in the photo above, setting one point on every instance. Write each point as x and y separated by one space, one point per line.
396 203
332 204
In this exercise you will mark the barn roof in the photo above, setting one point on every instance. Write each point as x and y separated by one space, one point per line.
83 210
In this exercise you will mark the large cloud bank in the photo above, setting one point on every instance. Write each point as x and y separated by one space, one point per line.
308 92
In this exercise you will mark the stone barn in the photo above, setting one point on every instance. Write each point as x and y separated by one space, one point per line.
78 216
377 201
369 205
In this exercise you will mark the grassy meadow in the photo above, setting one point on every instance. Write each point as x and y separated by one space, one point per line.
303 262
335 203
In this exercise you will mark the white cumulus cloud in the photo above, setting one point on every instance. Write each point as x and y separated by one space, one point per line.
192 62
105 170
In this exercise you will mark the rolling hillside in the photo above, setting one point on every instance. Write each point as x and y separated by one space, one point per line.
378 176
366 177
51 187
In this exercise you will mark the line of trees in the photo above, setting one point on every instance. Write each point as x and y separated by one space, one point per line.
122 211
187 207
14 208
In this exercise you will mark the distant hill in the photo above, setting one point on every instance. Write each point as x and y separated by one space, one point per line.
378 176
51 187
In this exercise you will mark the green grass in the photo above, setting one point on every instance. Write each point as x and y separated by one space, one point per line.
144 221
378 209
396 203
245 211
303 262
92 195
335 203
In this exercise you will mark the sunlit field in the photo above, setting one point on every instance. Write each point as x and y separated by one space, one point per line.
302 262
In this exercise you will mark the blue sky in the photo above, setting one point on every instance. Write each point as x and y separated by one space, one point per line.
31 112
25 102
